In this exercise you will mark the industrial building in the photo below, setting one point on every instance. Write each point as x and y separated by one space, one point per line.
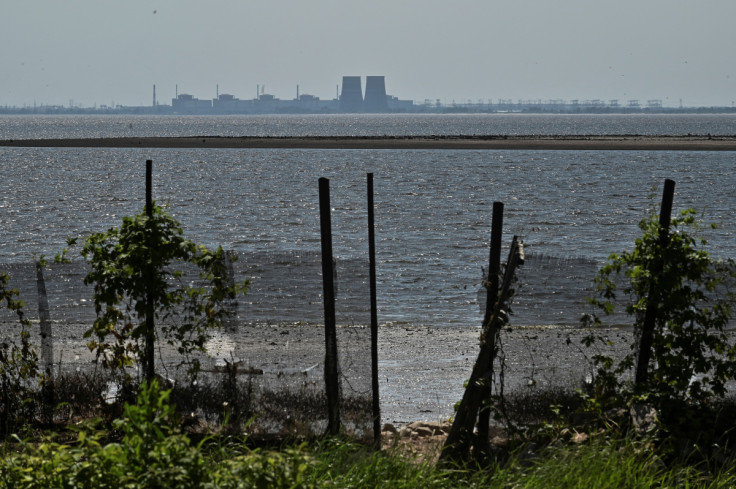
187 104
350 100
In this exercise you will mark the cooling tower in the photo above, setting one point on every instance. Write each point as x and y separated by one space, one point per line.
351 98
375 94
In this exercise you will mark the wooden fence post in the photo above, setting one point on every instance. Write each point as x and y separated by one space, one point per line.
650 316
231 305
460 439
494 268
374 316
47 344
332 381
149 371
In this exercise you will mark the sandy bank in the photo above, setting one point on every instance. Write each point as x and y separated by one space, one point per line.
421 368
551 142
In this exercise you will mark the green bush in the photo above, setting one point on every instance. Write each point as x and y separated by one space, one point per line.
692 355
141 262
151 453
155 454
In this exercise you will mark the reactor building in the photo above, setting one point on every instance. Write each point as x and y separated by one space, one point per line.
350 99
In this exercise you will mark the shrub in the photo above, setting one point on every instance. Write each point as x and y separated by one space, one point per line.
138 271
692 355
151 453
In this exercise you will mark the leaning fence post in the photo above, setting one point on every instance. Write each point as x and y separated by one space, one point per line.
332 385
650 316
150 326
460 438
374 316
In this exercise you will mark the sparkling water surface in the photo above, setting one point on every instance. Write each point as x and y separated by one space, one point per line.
96 126
433 207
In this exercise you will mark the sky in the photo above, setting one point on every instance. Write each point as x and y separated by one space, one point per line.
101 52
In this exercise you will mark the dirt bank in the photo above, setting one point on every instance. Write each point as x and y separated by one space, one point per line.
542 142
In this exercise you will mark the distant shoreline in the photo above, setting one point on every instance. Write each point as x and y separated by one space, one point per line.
480 142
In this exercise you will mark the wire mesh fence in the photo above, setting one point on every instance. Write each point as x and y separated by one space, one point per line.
271 347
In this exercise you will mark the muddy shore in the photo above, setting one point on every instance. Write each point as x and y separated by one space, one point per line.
421 368
470 142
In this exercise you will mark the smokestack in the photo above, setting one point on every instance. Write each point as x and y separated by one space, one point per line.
154 95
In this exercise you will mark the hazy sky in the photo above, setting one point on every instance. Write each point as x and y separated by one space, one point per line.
104 51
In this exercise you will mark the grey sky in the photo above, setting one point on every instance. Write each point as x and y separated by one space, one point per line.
104 51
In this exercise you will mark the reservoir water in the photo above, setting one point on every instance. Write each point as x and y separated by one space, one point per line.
433 207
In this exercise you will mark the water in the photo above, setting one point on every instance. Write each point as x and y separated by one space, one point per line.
433 208
35 127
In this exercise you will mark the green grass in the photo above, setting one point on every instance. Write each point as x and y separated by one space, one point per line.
146 449
618 464
605 464
174 462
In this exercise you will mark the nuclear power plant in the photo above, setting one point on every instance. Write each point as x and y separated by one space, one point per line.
349 99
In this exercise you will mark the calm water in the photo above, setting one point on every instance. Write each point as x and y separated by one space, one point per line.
433 208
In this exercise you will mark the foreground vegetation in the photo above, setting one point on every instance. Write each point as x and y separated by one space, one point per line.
147 449
669 426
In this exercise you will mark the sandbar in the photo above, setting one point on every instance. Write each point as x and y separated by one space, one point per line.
432 142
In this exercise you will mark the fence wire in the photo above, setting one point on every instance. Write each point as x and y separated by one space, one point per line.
271 347
274 342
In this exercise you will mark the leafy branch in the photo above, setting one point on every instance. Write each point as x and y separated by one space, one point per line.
692 355
143 260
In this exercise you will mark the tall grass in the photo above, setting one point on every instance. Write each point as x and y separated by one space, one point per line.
148 450
605 463
618 464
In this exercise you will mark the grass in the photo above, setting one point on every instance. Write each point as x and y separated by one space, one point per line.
226 463
601 464
605 464
146 447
